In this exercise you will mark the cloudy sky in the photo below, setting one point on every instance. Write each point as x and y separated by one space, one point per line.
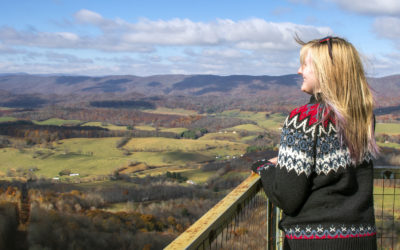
225 37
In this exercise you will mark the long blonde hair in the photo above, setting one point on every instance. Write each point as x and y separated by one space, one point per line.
343 88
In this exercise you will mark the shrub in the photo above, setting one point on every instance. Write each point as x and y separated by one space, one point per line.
65 172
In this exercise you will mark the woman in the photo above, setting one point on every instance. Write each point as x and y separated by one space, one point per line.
322 178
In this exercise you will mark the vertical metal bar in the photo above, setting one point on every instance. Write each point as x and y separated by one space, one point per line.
383 199
269 226
394 201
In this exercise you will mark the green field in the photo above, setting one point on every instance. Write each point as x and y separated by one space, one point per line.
246 127
7 119
168 111
87 157
107 126
91 157
388 128
389 145
390 199
57 122
145 128
159 144
273 122
150 128
225 136
174 130
99 156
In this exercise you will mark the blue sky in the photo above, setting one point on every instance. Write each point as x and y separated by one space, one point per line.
225 37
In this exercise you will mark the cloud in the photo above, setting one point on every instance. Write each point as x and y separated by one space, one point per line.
7 50
371 7
148 47
12 37
247 34
383 64
60 57
388 27
145 35
89 17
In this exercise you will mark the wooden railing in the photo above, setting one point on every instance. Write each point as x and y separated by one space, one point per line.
246 219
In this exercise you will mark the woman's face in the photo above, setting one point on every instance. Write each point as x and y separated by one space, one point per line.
310 81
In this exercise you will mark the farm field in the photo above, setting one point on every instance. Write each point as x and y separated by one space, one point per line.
91 157
85 156
99 156
389 145
168 111
263 119
388 128
57 122
107 126
7 119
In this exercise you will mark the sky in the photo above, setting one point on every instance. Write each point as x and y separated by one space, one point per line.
222 37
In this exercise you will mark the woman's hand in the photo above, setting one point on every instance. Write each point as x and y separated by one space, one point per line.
274 160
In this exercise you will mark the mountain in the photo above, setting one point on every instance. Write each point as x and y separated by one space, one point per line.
151 85
24 86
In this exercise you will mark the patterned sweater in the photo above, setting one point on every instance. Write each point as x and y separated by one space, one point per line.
327 201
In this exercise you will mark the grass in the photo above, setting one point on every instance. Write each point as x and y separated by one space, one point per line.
57 122
390 199
7 119
159 144
107 126
224 136
145 127
174 130
87 157
168 111
246 127
389 145
99 156
197 175
272 122
388 128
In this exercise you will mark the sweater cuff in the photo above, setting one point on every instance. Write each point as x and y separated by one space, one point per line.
261 165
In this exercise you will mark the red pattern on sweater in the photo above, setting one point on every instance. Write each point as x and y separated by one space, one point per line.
311 112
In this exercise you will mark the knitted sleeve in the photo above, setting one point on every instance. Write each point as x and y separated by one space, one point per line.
288 183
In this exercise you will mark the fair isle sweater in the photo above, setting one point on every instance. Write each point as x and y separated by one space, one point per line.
327 201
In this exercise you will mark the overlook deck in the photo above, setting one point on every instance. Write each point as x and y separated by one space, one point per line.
246 219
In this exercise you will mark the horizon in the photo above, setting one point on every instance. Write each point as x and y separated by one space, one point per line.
190 38
144 76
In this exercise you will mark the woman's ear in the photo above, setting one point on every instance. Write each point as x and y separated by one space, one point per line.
318 95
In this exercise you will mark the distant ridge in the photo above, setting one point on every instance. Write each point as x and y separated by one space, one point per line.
113 87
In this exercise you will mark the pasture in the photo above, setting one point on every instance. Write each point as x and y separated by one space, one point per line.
264 120
159 144
388 128
105 125
91 157
168 111
57 122
7 119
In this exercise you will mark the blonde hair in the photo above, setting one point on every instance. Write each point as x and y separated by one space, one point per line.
342 87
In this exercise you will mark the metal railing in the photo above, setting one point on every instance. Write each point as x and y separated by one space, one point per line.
246 219
387 206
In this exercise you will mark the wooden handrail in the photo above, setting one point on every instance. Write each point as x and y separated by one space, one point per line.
207 225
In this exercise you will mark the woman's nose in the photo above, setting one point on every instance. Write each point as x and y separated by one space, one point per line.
300 70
